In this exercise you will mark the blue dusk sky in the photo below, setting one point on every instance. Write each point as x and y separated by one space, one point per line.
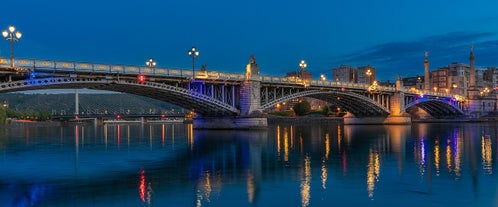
390 35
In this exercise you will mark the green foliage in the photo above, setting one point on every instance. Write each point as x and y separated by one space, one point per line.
29 115
283 113
3 115
302 108
325 110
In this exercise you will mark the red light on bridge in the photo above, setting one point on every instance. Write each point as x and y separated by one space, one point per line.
76 117
163 116
141 78
118 117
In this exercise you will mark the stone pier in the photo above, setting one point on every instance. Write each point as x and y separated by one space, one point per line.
251 116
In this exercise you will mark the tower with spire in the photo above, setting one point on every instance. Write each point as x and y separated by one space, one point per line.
427 82
473 92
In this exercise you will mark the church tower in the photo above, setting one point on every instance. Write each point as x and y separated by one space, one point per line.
427 79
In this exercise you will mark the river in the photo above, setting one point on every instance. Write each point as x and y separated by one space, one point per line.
171 164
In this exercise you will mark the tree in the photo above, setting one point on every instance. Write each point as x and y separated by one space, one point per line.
302 108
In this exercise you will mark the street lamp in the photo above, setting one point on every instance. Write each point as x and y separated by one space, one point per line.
151 64
368 73
303 66
194 53
322 77
12 36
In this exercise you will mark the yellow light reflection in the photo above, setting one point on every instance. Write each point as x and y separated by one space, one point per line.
278 142
105 135
305 182
339 137
324 174
437 156
449 162
204 189
286 146
251 187
327 146
190 135
163 132
119 135
373 172
487 154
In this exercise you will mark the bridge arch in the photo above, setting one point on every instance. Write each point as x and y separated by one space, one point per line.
201 104
437 108
354 103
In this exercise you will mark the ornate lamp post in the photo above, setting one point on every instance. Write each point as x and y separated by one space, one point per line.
193 53
12 36
151 64
322 77
303 66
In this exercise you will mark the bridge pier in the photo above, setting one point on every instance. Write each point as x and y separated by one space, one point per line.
251 115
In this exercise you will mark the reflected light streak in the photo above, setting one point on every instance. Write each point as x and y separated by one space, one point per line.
278 142
292 136
76 140
324 174
251 186
105 135
449 162
204 189
458 153
286 145
128 135
119 135
141 186
339 137
82 136
150 136
190 135
437 156
305 182
373 172
162 133
487 154
327 146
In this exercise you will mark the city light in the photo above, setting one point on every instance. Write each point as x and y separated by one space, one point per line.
151 64
193 53
141 78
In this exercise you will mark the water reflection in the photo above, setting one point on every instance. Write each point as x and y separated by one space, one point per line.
175 165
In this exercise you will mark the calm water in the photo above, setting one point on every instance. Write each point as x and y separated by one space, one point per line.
286 165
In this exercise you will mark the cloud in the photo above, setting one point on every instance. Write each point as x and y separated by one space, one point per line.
406 58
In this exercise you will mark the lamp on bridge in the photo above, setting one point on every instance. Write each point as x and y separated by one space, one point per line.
12 36
303 66
322 77
193 53
151 64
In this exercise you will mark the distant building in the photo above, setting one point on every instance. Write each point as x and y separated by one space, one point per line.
414 83
344 73
440 81
302 74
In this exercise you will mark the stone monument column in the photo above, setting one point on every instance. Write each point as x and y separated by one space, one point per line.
250 95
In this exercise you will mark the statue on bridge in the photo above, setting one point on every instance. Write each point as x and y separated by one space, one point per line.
252 68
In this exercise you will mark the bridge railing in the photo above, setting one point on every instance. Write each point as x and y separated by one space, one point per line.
85 67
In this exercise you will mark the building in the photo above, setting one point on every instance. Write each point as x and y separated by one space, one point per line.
345 73
440 80
414 83
302 74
